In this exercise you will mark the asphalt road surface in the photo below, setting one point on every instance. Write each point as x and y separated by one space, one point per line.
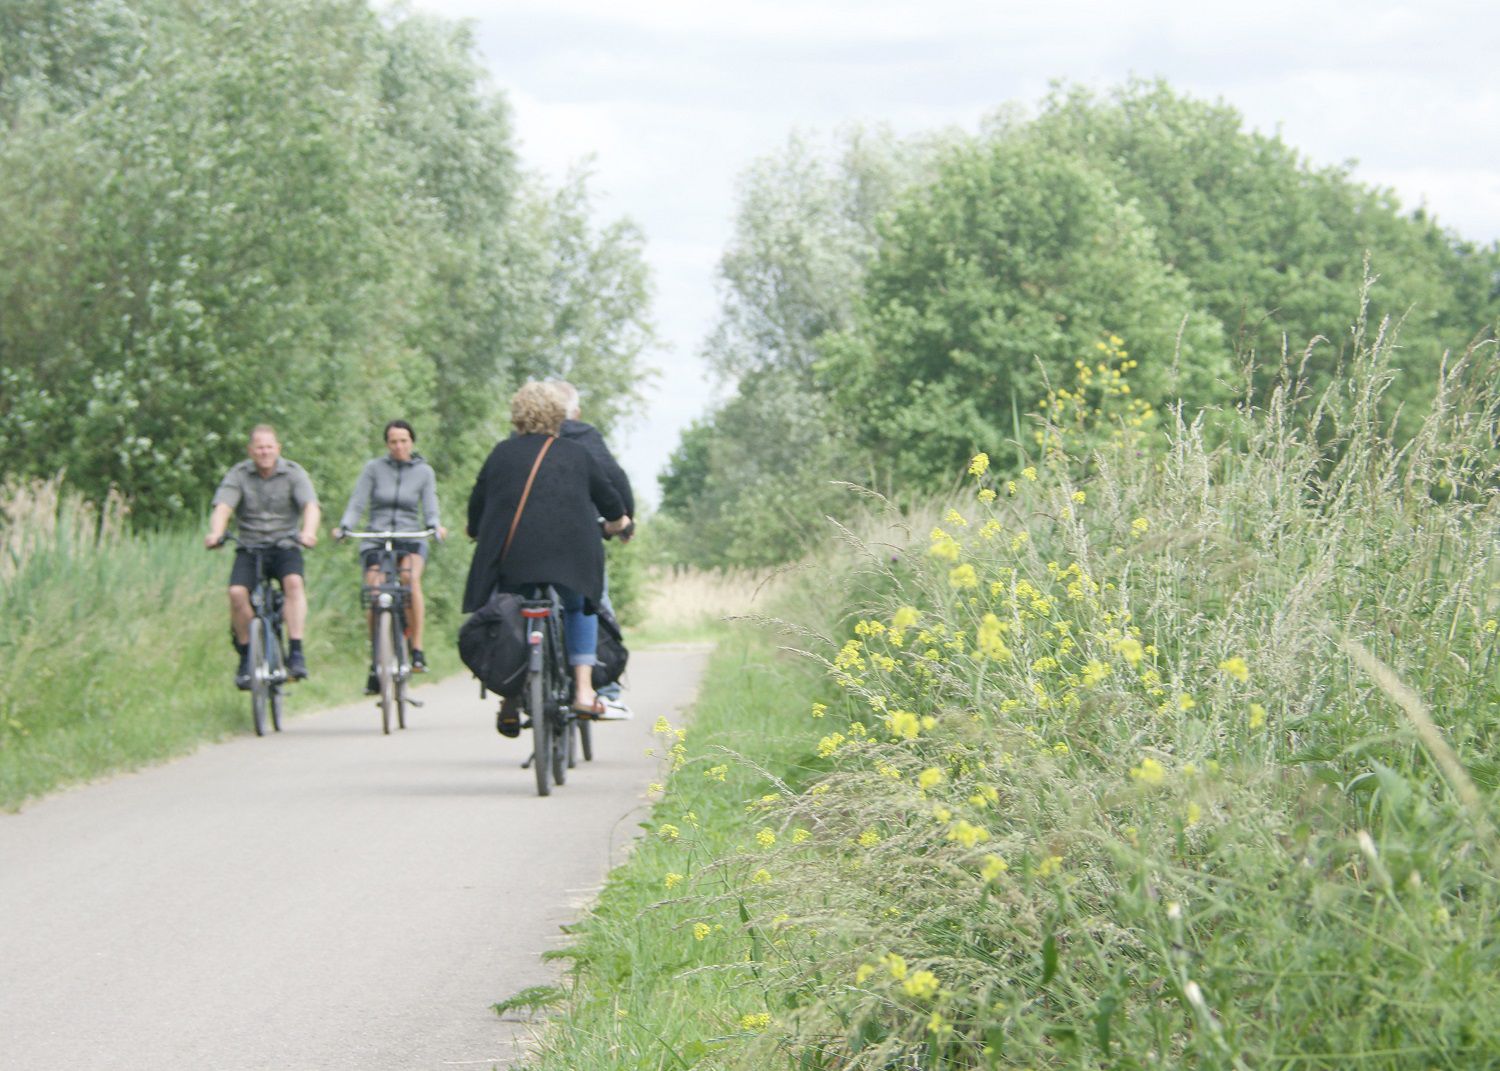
322 899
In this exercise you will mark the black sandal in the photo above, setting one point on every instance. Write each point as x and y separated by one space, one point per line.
508 720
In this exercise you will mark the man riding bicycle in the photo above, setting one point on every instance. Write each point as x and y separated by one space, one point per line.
269 498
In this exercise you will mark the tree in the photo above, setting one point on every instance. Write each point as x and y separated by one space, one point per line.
1011 266
1273 247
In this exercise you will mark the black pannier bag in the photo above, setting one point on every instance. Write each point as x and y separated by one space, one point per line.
610 653
492 643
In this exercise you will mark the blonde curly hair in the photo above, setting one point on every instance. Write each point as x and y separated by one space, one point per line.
536 409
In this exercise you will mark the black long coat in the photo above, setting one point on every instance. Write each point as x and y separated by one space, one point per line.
557 541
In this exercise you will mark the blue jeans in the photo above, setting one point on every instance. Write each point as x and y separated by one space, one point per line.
581 630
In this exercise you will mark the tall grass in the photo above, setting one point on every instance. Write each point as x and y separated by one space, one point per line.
1147 757
114 647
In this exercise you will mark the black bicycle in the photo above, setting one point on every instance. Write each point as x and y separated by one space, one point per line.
267 636
388 600
557 734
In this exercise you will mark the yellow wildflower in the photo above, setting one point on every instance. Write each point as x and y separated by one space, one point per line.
1048 866
1186 702
906 617
819 709
701 930
662 726
716 773
1139 526
1079 497
668 832
903 725
895 964
869 838
1236 668
955 517
979 464
766 837
1194 813
755 1021
967 834
671 881
993 867
1029 472
862 975
963 576
1130 648
760 877
655 787
799 835
943 546
1257 715
1491 625
1094 673
929 778
923 985
986 495
1149 772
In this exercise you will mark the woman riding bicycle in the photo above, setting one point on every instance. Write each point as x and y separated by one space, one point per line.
556 541
399 491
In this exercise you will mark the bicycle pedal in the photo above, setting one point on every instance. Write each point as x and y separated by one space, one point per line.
414 702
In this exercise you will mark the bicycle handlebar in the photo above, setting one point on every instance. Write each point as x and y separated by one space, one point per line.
290 539
426 533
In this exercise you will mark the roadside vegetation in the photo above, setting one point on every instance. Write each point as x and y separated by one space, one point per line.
1165 749
114 651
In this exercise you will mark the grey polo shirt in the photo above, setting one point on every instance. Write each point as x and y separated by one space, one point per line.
269 508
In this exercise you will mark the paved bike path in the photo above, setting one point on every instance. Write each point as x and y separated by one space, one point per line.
322 899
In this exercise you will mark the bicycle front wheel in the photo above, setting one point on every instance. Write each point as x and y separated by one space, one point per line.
403 673
276 667
385 667
260 679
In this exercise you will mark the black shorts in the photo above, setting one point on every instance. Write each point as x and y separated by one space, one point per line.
403 548
281 562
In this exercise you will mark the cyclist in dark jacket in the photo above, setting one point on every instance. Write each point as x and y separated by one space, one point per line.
556 540
588 436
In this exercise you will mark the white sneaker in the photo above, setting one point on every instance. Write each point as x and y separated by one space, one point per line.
614 710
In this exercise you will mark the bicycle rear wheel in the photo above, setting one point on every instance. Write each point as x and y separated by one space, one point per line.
260 679
541 730
385 667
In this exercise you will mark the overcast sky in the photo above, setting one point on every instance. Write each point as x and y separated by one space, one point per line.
673 99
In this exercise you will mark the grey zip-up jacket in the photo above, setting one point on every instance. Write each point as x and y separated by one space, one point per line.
401 496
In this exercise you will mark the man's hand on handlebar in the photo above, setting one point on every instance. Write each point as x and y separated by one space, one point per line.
621 526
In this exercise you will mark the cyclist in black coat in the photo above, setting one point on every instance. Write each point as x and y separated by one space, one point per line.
557 538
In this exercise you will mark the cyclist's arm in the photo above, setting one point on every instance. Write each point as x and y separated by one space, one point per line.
359 498
218 524
312 514
430 512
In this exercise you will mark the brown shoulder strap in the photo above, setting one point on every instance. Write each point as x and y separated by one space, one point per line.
526 494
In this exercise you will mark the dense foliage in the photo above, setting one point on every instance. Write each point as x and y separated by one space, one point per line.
1158 753
295 211
917 297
